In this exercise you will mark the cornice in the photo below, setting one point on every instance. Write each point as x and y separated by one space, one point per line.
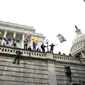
14 25
39 35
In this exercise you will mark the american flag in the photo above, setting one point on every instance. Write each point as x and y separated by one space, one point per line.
27 37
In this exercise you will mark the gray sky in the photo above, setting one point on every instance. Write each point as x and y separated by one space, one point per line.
49 17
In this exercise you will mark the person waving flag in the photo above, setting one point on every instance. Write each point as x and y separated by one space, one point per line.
26 41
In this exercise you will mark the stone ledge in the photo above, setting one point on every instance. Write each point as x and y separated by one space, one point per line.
40 55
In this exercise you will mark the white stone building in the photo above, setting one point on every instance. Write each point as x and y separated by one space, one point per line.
10 30
38 68
78 44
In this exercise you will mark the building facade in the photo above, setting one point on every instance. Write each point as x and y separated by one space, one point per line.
12 30
38 68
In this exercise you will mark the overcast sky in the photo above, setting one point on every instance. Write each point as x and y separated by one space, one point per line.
49 17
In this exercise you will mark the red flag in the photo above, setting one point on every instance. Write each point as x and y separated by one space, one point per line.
26 37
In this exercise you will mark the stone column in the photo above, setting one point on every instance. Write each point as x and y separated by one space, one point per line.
22 42
30 42
13 39
5 34
83 56
52 73
51 70
14 35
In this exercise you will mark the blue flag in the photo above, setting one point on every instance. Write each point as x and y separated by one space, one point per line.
78 54
5 39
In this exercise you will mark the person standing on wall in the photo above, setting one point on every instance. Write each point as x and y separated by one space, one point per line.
14 42
26 41
43 47
34 45
25 44
51 47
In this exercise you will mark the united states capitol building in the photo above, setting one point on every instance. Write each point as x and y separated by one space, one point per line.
38 68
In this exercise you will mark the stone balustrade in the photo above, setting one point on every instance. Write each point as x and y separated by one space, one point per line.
25 53
38 68
35 54
68 59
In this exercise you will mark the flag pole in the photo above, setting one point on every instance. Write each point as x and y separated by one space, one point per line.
57 44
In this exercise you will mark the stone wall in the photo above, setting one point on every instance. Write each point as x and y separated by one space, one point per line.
78 73
28 72
37 68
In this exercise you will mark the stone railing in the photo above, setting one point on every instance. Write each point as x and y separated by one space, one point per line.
67 58
25 53
46 55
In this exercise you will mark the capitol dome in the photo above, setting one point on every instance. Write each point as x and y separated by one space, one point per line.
78 43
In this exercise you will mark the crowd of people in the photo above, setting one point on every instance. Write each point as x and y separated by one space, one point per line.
34 47
18 52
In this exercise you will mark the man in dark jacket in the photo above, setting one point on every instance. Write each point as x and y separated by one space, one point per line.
25 44
51 47
43 47
17 58
68 72
29 49
34 45
14 42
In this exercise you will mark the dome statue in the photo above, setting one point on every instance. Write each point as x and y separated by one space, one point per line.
78 44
